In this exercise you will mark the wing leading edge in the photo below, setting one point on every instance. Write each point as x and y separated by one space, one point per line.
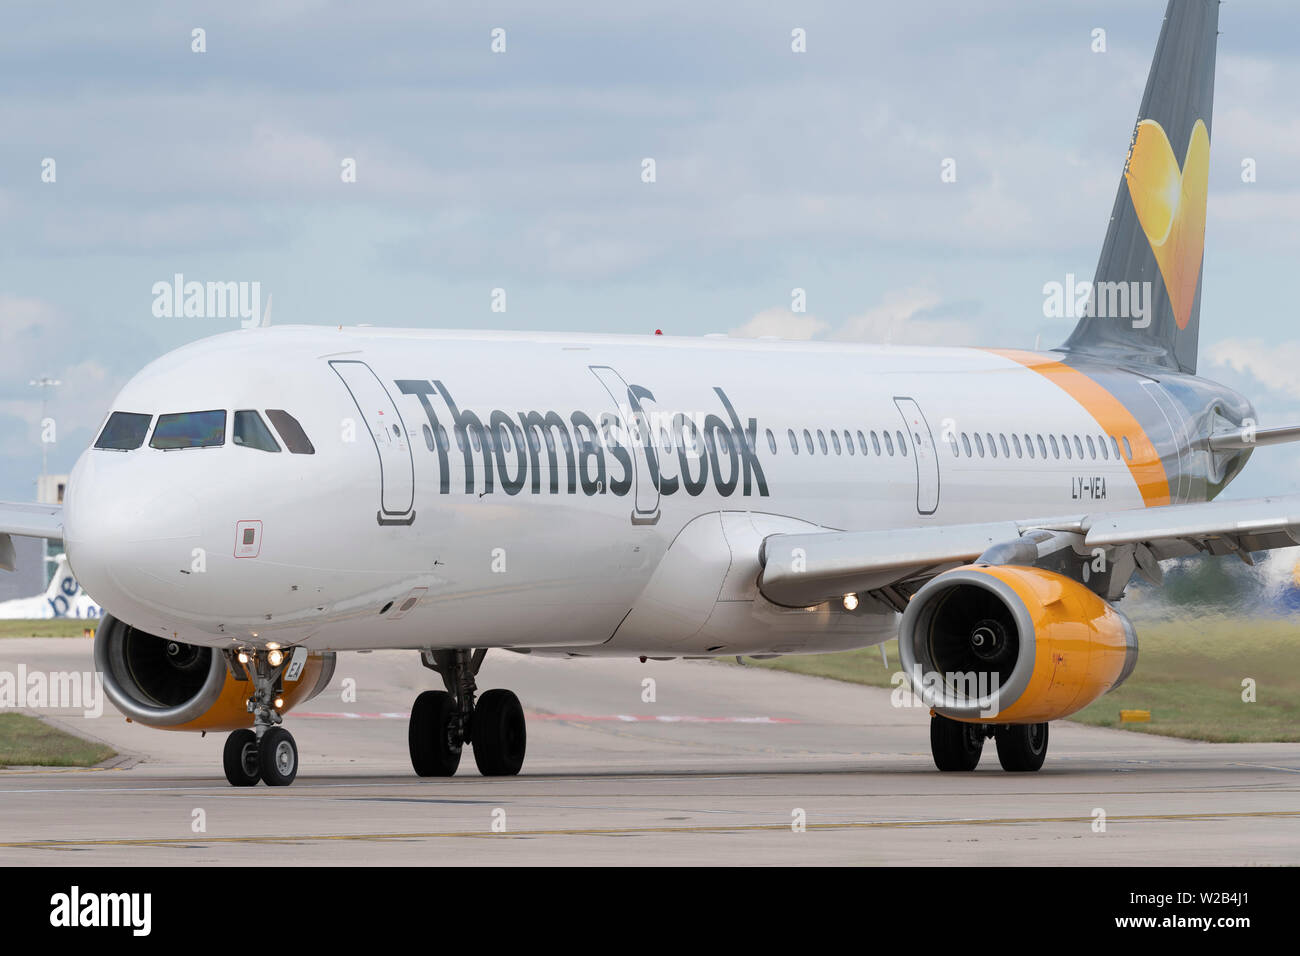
800 570
30 521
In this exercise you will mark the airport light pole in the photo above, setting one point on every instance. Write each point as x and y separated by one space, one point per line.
44 383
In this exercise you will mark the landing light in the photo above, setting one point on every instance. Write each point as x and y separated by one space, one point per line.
279 702
276 658
243 657
850 602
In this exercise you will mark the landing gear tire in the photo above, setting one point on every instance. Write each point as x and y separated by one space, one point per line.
1021 747
240 759
955 745
278 755
433 735
499 735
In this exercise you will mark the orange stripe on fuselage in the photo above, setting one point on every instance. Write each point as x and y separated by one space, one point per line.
1146 467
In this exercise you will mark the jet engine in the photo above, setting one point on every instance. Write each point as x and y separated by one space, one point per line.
1012 645
170 685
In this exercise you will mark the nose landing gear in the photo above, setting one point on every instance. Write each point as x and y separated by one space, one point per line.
267 752
442 722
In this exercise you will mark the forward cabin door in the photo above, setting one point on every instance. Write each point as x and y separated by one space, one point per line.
384 422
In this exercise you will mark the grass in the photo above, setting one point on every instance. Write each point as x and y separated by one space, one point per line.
1189 675
28 742
48 627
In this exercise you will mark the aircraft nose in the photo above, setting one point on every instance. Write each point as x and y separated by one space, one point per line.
127 538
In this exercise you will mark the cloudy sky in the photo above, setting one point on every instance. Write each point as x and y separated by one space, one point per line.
522 170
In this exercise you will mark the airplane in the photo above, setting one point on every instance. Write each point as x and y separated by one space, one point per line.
258 501
63 597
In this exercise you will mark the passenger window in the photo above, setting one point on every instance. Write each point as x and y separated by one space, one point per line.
1128 449
1101 443
1078 447
251 432
794 442
189 430
965 444
821 440
1042 448
862 441
835 440
1056 449
875 442
1029 445
889 445
442 439
848 442
807 440
993 446
979 444
1114 446
1092 448
1002 440
902 444
771 441
428 436
124 431
1015 440
1065 443
291 433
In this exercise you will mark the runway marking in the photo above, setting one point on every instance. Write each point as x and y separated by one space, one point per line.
1265 766
624 718
290 839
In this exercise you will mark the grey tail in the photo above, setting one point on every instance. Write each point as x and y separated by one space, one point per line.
1146 298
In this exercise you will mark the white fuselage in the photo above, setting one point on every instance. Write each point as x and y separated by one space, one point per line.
377 540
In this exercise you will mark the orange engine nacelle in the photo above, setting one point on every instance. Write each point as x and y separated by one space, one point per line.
174 686
1012 645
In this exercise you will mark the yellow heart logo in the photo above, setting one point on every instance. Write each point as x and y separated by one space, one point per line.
1170 204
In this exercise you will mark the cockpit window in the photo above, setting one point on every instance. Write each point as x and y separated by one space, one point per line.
189 430
124 431
251 432
295 439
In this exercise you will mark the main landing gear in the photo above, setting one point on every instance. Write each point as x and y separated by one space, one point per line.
267 752
957 745
442 722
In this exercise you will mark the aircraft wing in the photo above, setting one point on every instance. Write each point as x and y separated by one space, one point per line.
800 570
27 520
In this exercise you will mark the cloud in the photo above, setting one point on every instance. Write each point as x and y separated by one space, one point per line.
782 324
902 319
1274 364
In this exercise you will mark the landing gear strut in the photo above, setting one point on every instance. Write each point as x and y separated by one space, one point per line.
267 752
442 722
957 746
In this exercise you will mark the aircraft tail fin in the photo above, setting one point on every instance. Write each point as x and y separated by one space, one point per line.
1146 297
